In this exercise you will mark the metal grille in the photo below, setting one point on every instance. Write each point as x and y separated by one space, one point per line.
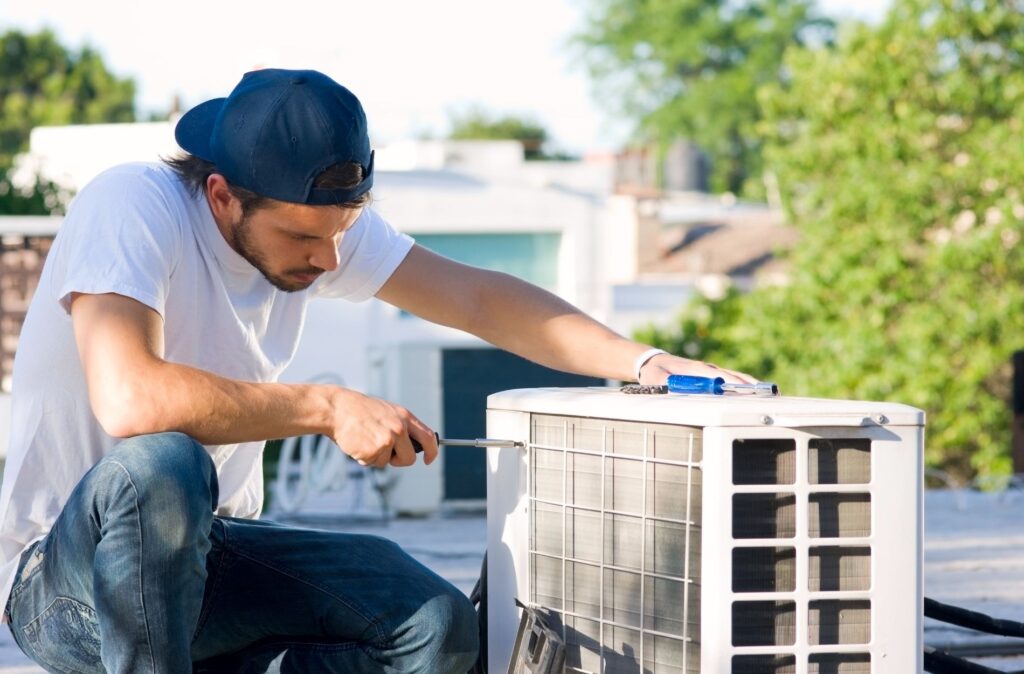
819 663
776 513
614 541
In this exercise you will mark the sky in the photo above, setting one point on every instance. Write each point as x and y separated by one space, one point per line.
412 63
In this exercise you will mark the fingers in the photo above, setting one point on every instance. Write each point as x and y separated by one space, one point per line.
728 375
386 442
426 437
739 377
375 432
402 453
658 369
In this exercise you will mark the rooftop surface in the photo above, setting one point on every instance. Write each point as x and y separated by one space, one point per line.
974 557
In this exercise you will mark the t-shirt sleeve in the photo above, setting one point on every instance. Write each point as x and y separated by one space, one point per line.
121 235
370 251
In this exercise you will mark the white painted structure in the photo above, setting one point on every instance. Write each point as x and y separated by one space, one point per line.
73 155
690 533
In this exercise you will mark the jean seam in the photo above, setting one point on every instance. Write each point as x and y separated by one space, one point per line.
142 596
373 623
215 588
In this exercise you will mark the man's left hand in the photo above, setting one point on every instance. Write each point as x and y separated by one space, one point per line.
656 370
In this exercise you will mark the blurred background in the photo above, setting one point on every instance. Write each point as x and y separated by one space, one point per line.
825 194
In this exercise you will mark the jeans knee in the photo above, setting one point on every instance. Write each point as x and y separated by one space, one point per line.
170 472
456 630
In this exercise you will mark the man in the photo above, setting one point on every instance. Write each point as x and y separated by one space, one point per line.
170 302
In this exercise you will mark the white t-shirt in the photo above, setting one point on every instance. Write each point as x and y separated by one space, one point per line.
136 231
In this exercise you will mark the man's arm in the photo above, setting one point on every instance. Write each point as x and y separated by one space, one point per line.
526 320
134 391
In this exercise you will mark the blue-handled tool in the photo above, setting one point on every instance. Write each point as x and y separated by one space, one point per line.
684 383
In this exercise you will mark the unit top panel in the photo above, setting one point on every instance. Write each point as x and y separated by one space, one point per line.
706 410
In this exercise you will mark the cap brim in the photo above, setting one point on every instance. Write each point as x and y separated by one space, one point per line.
195 127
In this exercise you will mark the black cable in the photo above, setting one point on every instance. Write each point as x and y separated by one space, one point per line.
938 662
479 598
954 615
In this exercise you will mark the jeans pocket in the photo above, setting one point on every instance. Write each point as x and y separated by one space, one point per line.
65 638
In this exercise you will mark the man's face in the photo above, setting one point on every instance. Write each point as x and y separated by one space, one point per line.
292 244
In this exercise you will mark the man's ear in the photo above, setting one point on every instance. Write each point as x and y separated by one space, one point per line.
224 205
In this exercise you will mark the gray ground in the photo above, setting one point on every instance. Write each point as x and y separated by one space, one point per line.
974 557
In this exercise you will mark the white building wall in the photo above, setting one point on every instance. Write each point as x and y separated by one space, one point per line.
619 243
73 155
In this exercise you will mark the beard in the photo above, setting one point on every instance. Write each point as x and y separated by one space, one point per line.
241 241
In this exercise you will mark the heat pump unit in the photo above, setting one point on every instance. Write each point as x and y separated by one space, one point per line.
668 534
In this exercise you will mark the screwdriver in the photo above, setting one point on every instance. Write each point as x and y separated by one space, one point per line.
479 442
684 383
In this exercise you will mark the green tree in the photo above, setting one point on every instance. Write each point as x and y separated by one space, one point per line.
44 83
689 69
477 124
43 197
898 159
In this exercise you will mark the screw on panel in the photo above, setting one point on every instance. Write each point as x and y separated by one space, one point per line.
766 420
881 419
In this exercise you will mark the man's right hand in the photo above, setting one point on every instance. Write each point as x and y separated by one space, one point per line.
376 432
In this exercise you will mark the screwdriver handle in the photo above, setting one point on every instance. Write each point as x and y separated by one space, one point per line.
685 383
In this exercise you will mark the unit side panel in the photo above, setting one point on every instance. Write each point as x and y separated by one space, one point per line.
897 467
507 531
716 548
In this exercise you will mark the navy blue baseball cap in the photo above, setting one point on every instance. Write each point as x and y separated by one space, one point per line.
277 131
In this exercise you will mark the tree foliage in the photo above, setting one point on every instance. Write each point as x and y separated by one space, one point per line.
44 83
478 124
898 157
43 197
689 69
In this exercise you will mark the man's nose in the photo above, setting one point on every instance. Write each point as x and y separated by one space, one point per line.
326 256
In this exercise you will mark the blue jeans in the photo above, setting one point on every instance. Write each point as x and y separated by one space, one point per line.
138 576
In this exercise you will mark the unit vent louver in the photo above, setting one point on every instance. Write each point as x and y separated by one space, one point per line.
683 534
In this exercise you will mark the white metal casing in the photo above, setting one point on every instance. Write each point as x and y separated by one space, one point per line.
890 597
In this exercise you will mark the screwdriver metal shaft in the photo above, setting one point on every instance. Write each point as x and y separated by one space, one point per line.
478 442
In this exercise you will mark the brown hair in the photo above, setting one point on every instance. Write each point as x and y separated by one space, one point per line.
194 171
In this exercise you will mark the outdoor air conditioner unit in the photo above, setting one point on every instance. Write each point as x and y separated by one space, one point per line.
665 534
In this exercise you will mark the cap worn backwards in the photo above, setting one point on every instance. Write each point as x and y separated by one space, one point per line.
277 131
